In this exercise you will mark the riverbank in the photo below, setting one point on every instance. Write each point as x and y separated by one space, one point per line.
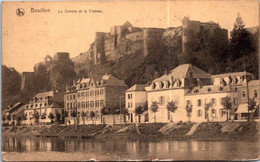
205 131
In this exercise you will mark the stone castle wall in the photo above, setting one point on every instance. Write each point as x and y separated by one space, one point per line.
127 39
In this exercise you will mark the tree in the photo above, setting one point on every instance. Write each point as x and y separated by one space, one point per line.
227 104
154 109
43 116
172 107
104 111
207 106
92 115
243 48
11 86
252 105
4 117
66 114
139 110
189 110
9 117
51 117
36 116
83 115
57 116
74 115
18 119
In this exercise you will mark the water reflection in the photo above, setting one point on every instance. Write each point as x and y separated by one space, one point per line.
136 149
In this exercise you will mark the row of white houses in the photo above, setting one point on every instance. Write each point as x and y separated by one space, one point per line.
187 85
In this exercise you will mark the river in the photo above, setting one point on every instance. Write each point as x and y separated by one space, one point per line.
67 149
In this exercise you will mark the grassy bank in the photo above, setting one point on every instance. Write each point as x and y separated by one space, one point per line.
211 131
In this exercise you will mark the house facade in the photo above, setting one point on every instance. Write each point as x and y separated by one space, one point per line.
136 97
214 95
172 87
91 95
252 88
44 108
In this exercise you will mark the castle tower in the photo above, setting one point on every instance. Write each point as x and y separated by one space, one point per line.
99 54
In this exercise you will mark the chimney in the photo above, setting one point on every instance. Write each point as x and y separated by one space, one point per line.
166 71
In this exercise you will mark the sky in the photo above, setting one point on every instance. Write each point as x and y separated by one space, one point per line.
27 39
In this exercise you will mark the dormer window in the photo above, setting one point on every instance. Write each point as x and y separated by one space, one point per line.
220 89
152 86
36 105
196 91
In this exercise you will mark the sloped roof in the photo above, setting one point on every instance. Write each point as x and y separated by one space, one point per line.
44 94
230 74
182 71
204 90
18 104
113 81
254 82
18 110
127 24
110 80
137 87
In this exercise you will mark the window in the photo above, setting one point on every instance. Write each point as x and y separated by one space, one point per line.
96 92
68 97
129 105
235 100
130 96
74 105
91 104
87 93
101 92
83 94
68 105
79 95
243 94
74 97
199 113
213 101
220 88
222 100
162 100
91 93
213 111
78 104
222 112
199 102
87 104
96 103
255 93
209 89
101 103
188 102
83 104
196 91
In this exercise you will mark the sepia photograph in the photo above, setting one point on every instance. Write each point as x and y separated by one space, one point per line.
143 80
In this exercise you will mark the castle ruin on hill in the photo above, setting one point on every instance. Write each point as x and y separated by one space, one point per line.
106 46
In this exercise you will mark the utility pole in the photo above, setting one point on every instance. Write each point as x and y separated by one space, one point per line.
247 91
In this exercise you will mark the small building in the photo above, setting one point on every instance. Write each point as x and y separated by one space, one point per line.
87 96
253 89
136 97
8 116
44 108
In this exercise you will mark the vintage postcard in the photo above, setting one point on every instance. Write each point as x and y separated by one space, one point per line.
130 80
